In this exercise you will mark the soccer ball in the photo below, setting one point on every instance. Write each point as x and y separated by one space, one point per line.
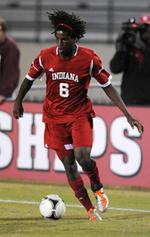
52 207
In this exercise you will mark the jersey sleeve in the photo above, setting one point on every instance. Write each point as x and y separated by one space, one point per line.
36 69
99 73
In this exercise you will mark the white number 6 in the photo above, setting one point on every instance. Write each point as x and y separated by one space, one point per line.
63 89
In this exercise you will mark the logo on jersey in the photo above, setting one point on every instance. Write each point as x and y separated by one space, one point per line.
65 75
51 70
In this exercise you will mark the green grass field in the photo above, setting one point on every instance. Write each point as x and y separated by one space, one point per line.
22 219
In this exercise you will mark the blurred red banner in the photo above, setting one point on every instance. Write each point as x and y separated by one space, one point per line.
121 153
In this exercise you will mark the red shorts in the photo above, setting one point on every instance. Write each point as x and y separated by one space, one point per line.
66 136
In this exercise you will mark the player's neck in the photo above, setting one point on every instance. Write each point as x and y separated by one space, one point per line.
67 54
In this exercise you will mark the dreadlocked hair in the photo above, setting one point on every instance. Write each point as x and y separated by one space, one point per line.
60 17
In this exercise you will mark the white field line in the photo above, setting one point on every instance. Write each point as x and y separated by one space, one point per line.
72 205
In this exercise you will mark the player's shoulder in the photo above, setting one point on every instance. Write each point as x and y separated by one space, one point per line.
49 51
87 51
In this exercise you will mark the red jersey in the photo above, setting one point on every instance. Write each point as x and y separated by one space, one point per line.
67 80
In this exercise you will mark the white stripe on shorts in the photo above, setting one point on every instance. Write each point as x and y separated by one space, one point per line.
68 146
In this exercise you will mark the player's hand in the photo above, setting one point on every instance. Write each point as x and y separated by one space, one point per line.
139 126
135 123
18 110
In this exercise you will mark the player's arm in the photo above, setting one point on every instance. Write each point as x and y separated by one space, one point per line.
18 108
104 79
116 99
35 71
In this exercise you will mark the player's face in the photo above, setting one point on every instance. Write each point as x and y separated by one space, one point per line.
65 43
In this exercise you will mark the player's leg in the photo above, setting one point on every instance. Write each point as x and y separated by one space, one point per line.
76 183
53 139
90 168
82 137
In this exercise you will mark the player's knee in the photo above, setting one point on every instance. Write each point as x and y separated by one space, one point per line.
70 167
83 157
86 164
81 152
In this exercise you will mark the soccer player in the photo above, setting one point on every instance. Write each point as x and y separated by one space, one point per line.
67 110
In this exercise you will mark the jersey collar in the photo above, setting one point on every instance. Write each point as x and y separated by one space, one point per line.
75 54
